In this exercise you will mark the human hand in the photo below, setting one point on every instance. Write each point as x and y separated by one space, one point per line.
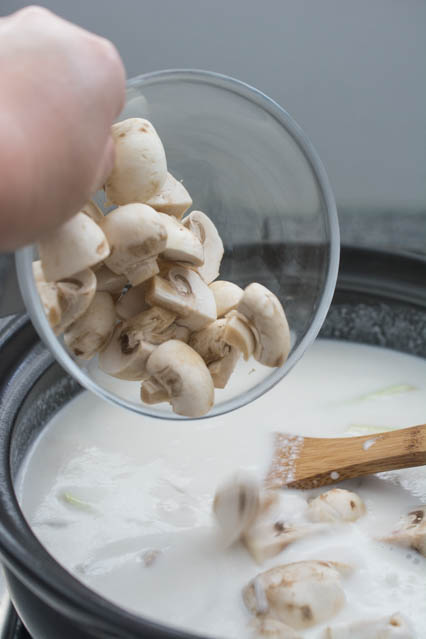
61 87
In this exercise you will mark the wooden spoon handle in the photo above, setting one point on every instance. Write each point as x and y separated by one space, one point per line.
308 462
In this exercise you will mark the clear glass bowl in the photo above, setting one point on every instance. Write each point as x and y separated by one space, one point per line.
250 167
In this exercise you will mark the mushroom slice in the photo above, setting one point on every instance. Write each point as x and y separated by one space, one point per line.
184 293
72 247
394 626
220 357
87 335
172 198
109 282
93 211
238 333
48 292
136 235
269 628
155 325
182 245
236 505
267 319
335 505
132 302
203 228
411 531
184 376
267 539
300 594
75 296
120 360
227 296
140 167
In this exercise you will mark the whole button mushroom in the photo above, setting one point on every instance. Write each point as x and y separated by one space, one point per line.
220 357
393 626
140 167
177 370
72 247
335 505
205 230
88 335
186 294
182 245
301 594
411 531
136 235
261 311
227 296
172 198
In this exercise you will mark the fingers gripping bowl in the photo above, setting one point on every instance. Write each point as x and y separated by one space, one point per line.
250 168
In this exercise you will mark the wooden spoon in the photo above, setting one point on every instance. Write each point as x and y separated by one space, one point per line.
309 462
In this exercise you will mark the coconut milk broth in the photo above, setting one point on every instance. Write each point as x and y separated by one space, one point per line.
124 502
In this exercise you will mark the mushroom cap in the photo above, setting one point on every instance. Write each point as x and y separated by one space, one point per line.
48 292
75 296
72 247
411 531
135 233
118 360
269 628
87 335
93 211
236 505
182 245
184 293
132 302
109 282
140 167
394 626
220 357
184 375
335 505
205 230
227 296
300 594
172 198
267 318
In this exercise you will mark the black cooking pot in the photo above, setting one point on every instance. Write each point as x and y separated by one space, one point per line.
380 299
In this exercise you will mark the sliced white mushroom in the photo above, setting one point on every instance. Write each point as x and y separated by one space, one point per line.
238 333
75 295
220 358
411 531
109 282
227 296
182 245
186 294
93 211
394 626
266 318
300 594
136 235
266 539
88 335
269 628
72 247
203 228
120 360
172 198
49 296
132 302
183 375
140 167
236 505
335 505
